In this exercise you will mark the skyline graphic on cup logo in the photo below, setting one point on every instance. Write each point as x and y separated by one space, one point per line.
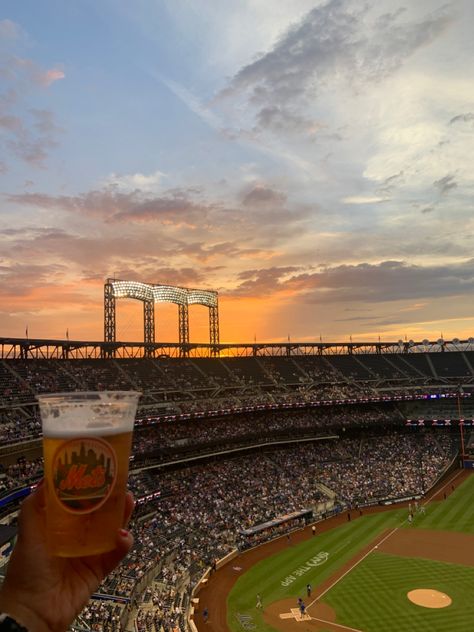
84 474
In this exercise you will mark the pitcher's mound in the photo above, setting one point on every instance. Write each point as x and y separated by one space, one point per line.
429 598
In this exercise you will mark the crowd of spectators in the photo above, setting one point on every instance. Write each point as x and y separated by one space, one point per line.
21 473
162 608
200 385
195 514
201 512
101 616
187 384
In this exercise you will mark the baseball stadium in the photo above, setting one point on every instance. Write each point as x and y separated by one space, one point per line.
286 487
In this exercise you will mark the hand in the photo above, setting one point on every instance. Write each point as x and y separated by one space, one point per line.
45 593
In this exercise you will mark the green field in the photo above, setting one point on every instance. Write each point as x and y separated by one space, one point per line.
372 596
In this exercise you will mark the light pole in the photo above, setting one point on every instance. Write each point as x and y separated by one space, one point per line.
461 423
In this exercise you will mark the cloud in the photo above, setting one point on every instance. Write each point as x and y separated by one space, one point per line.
446 184
50 76
261 195
262 207
29 133
18 279
28 70
10 30
337 41
364 282
262 282
31 137
10 123
33 151
43 122
388 185
462 118
363 199
184 277
279 119
134 181
113 205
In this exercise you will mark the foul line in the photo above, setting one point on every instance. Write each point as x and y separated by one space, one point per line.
338 625
449 482
353 566
438 491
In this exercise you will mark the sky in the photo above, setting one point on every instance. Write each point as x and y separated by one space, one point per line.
311 161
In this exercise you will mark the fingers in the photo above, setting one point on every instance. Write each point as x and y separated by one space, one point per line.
111 559
124 539
32 510
129 507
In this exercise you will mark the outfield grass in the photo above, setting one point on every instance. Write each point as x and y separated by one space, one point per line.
372 597
456 513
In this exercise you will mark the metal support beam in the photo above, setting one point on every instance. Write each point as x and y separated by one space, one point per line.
109 315
214 329
149 326
183 317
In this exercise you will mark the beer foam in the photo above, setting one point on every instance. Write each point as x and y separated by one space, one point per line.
83 431
89 417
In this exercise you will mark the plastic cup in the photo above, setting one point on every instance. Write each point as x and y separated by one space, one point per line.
87 437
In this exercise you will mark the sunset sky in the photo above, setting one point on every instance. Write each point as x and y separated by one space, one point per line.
312 161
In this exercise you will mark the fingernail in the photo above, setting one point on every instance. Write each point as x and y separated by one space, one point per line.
124 533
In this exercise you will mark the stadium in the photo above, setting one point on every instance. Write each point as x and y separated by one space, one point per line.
243 230
337 473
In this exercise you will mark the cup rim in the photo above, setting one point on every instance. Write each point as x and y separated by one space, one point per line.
85 395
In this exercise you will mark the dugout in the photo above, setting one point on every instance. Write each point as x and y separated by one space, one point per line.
273 528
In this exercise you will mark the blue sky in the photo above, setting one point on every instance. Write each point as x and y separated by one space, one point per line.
310 160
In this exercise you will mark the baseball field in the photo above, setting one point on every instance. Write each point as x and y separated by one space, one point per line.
374 573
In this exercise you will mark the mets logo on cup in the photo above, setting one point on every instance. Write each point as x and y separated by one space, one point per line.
84 474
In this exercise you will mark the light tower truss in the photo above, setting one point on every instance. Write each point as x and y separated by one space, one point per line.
150 294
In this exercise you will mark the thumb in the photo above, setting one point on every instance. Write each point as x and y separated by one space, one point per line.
32 512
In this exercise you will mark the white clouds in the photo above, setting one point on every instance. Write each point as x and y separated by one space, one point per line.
133 181
363 199
339 40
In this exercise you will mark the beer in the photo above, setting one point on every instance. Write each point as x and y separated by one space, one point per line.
86 442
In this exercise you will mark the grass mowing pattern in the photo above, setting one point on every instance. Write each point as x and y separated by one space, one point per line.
456 513
361 597
373 597
265 577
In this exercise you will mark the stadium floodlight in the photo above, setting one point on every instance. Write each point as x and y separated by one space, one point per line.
169 294
425 342
151 293
163 293
132 289
202 297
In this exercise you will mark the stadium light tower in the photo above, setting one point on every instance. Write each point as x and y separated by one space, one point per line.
150 294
